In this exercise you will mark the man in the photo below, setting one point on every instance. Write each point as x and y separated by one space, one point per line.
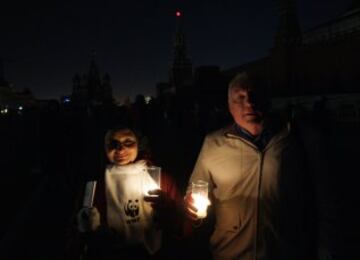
261 181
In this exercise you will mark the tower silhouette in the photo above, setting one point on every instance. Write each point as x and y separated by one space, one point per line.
181 68
288 32
286 42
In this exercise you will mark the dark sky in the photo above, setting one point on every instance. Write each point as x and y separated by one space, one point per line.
44 44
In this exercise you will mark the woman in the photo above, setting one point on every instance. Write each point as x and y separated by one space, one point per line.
122 221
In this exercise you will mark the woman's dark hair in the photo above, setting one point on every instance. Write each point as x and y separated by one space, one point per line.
142 141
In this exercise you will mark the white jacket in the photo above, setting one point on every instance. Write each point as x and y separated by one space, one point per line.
260 198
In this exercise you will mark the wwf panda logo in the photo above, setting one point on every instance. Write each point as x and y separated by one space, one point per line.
132 208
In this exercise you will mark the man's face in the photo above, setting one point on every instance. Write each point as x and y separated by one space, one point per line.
122 148
243 106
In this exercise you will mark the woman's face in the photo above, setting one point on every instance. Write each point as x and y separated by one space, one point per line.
122 148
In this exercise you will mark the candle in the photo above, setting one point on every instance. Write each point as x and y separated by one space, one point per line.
199 194
201 203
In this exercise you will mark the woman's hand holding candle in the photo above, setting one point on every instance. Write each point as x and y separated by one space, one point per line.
156 197
162 206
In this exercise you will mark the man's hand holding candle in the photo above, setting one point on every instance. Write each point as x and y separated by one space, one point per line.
196 206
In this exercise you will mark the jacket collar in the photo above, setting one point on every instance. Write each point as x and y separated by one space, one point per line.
278 132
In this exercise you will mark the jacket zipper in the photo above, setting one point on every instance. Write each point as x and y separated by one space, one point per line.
261 154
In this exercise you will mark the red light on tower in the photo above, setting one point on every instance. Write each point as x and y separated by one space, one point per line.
178 13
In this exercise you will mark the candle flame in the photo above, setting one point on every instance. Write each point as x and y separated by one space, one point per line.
201 203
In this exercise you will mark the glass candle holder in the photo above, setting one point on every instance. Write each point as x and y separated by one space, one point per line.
153 180
199 194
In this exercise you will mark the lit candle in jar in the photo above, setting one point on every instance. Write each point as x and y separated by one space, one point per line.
199 194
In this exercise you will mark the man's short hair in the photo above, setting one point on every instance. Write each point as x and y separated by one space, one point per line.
250 82
258 86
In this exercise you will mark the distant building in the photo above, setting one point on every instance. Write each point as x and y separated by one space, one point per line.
321 60
92 88
181 69
164 88
180 72
11 99
302 67
305 67
199 92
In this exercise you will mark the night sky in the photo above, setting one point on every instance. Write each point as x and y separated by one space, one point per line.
44 44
